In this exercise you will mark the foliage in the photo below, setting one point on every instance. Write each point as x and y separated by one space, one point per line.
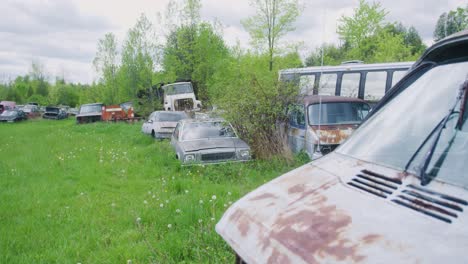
194 53
253 99
105 193
366 22
273 19
454 21
368 38
105 63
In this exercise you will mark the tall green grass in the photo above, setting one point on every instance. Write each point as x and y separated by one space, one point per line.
105 193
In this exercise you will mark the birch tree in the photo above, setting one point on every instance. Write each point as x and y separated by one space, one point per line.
273 20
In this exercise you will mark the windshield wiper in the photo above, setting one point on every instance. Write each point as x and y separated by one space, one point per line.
437 131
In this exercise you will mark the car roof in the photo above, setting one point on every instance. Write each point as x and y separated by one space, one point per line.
315 99
207 120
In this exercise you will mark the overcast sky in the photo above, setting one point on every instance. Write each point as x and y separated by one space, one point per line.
62 34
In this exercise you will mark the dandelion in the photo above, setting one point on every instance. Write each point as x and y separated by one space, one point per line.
212 218
169 226
167 201
154 196
200 221
225 205
138 220
186 191
213 197
161 205
145 202
229 193
82 194
201 201
149 192
177 211
173 177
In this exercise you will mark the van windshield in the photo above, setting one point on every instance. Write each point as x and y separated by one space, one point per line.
393 134
337 113
178 89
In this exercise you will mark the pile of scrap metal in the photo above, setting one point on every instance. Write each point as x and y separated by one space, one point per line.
89 113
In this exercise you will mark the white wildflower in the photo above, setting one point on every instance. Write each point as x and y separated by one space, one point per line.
200 220
161 205
169 226
177 211
213 197
212 219
145 202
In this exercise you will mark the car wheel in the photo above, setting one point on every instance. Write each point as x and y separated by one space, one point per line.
153 134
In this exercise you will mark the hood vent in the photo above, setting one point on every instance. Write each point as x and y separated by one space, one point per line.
434 204
375 183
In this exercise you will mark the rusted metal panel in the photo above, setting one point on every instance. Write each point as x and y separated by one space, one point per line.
311 215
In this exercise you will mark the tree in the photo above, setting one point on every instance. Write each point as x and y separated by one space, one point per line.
138 55
332 55
39 79
273 20
366 21
454 21
105 63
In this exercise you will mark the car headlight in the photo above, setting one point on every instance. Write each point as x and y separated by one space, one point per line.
189 158
244 153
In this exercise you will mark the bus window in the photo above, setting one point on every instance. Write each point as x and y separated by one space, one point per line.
350 84
306 84
374 88
327 84
397 75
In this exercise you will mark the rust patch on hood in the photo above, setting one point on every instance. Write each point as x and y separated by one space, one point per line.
370 239
315 234
334 135
263 197
241 222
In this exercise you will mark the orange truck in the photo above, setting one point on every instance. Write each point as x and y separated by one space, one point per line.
122 112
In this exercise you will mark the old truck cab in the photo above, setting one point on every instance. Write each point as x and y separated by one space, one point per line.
395 192
318 124
180 97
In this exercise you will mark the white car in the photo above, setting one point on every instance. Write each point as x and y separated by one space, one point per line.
161 124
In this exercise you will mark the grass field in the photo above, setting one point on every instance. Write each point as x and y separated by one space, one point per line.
105 193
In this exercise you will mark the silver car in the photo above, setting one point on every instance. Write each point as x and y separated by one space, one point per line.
208 141
161 124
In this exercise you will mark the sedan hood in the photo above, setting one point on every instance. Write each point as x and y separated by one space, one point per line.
212 144
316 214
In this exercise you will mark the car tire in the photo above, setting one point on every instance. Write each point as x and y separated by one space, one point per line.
153 134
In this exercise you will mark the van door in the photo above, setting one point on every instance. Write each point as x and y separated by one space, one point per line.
297 128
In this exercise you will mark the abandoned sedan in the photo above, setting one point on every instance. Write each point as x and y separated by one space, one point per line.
208 141
12 116
161 124
52 112
395 192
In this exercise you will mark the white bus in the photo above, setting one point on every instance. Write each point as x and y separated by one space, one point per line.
351 79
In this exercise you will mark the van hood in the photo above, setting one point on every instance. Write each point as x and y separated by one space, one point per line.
316 214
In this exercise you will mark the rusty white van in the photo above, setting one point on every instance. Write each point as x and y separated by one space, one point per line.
395 192
318 124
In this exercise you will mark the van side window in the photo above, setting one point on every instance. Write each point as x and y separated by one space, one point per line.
306 84
327 85
296 116
374 88
350 84
176 132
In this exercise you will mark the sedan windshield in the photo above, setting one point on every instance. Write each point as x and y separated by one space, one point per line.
337 113
9 113
394 134
90 109
202 130
170 117
178 89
